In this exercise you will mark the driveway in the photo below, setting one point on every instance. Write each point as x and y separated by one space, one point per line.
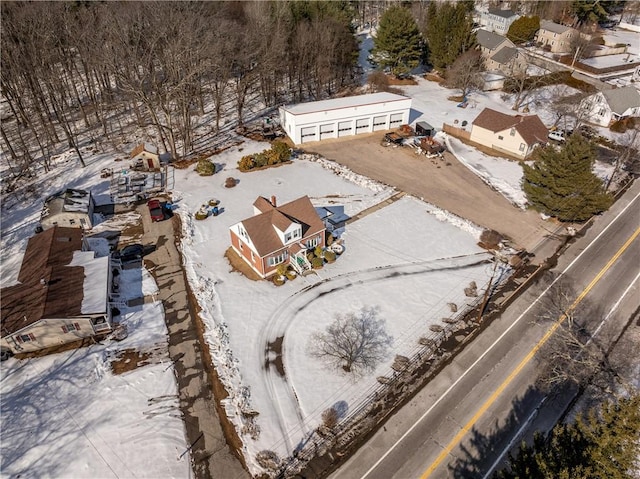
212 456
446 183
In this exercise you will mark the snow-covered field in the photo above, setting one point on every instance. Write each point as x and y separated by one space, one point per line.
68 415
406 259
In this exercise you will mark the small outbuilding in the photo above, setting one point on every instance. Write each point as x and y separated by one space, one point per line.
340 117
147 154
424 129
68 208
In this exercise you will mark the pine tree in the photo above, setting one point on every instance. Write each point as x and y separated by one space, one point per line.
523 29
448 32
561 182
397 43
604 443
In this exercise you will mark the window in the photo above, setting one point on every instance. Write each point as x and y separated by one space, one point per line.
274 260
243 233
72 222
253 257
70 327
296 233
500 137
241 248
287 237
601 112
313 242
513 132
25 338
522 146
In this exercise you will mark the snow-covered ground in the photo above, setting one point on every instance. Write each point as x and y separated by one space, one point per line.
68 415
407 259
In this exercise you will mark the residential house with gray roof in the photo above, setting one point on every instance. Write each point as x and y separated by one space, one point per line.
608 106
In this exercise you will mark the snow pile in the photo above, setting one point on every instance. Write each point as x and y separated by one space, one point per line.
345 173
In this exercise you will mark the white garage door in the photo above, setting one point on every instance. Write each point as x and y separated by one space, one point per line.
362 125
344 128
327 131
308 134
396 120
379 123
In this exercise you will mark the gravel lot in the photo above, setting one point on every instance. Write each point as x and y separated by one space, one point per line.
445 183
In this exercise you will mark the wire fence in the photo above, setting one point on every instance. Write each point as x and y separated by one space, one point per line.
382 398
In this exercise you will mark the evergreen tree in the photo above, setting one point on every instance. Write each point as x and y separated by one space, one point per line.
397 43
561 182
604 443
523 29
448 32
589 11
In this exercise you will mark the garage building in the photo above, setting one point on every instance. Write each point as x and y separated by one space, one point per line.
339 117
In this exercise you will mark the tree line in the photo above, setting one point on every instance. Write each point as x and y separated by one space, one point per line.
75 68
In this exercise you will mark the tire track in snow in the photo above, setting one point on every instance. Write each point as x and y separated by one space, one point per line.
280 389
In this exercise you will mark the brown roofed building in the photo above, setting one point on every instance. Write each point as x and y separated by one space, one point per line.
515 135
147 154
278 234
62 294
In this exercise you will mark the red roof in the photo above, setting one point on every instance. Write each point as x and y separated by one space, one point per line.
48 288
261 227
530 127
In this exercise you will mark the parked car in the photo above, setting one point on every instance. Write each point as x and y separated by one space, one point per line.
130 253
155 209
557 135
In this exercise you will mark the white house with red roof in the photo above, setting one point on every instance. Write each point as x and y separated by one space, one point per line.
278 234
515 135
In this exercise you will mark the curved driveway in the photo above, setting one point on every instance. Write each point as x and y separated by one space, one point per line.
281 390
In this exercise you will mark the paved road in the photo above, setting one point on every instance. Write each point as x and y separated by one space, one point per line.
211 455
415 437
445 183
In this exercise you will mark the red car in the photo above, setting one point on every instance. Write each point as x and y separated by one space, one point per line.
155 210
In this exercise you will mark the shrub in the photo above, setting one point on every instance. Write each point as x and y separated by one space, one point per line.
281 269
268 460
318 251
230 182
329 239
246 163
330 418
201 215
205 168
317 263
330 256
291 275
278 280
624 125
490 239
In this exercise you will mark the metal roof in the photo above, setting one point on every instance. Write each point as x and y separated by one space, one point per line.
345 102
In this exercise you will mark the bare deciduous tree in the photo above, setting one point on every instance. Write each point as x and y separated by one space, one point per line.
465 72
355 342
572 354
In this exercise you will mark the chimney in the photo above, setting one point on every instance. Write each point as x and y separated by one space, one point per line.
273 201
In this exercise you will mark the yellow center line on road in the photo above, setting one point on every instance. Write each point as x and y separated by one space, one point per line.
489 402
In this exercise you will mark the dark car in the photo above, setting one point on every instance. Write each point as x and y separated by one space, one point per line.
155 210
129 253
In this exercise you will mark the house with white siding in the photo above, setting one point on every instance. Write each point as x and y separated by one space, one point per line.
608 106
515 135
498 20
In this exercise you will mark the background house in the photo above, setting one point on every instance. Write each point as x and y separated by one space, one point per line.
500 56
515 135
557 37
68 208
338 117
497 20
62 295
608 106
278 234
147 155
